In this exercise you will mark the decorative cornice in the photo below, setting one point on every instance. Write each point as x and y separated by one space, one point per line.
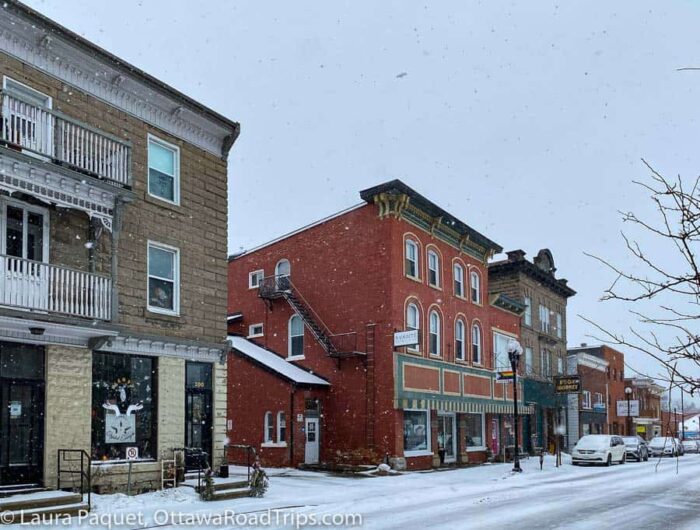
48 182
163 347
35 40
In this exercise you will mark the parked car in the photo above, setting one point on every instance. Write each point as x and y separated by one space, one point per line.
636 447
599 449
690 446
681 449
664 446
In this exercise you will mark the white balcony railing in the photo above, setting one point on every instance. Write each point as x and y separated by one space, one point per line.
64 140
27 284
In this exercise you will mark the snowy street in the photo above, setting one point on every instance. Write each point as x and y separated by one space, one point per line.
633 495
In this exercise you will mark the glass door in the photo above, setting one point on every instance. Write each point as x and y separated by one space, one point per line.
446 436
198 415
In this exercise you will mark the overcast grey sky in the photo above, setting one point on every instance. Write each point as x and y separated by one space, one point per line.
526 120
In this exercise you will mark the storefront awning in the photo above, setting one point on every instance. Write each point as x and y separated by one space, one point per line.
465 406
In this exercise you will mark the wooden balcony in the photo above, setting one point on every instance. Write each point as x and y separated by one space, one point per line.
63 140
37 286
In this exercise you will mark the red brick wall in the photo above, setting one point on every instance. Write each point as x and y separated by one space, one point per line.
616 387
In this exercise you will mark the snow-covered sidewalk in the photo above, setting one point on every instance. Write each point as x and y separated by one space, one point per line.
628 496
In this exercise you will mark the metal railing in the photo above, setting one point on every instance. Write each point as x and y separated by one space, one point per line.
249 455
28 284
52 134
73 462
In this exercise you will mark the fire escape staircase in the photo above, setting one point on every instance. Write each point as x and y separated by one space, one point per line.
336 345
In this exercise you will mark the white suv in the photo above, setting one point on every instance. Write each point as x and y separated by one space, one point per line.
599 449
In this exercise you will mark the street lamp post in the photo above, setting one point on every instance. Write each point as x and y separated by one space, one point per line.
515 350
628 393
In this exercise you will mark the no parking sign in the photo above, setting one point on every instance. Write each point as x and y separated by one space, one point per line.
132 453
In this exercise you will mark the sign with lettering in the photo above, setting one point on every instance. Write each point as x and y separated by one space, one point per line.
406 338
567 384
633 408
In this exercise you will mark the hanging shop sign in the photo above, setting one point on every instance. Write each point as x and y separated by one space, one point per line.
406 338
567 384
633 408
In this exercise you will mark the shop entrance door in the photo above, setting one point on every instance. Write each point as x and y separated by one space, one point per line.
21 414
447 439
198 415
311 448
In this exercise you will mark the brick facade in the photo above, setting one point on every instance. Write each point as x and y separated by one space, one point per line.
349 269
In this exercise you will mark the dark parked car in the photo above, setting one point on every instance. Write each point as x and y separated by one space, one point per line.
636 447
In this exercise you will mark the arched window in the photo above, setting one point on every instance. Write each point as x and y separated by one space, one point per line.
281 427
476 344
282 268
411 262
296 337
269 433
458 273
475 283
413 322
433 268
434 343
459 339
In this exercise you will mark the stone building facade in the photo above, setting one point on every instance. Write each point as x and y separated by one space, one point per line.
543 333
328 300
113 221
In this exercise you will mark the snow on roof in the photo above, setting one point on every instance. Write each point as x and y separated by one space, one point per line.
274 362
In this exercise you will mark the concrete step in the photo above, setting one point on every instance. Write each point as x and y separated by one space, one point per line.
29 515
232 493
16 489
31 501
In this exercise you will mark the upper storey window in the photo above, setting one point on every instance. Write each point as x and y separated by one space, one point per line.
411 265
459 280
163 170
163 279
475 284
433 268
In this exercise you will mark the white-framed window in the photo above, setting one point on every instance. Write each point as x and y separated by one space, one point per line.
163 279
599 399
560 365
416 432
283 268
475 287
255 278
24 231
413 322
255 330
459 339
269 428
32 130
586 399
528 311
501 362
544 318
475 432
476 343
411 261
545 366
281 427
434 341
528 360
296 337
433 268
560 328
458 273
163 170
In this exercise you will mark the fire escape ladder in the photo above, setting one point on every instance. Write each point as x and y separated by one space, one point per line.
336 345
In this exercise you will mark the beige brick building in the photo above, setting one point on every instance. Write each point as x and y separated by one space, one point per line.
113 224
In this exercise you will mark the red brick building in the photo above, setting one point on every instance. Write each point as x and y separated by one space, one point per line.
328 299
587 411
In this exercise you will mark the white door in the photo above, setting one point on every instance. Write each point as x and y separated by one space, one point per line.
26 118
24 249
447 438
311 448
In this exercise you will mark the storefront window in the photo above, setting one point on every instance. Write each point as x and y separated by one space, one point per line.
474 431
123 405
416 431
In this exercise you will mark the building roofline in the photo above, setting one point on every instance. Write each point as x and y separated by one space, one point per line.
533 271
128 69
242 253
397 187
